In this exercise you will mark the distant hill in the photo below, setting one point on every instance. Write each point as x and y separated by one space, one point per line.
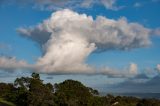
139 84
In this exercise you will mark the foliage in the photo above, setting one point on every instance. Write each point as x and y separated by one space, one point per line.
31 91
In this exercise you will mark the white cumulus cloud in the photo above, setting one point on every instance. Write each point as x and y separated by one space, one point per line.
105 33
11 63
67 38
133 69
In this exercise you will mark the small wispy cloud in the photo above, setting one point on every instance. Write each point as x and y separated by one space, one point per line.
4 46
156 32
155 1
137 5
158 68
5 49
62 4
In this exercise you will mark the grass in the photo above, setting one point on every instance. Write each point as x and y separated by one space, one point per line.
6 102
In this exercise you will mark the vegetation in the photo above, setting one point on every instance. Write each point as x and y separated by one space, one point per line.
31 91
3 102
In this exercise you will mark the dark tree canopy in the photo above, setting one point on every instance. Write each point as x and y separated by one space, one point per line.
31 91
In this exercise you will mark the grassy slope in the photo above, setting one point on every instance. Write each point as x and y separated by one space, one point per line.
6 102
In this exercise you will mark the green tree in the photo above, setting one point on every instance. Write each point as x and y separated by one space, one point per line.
72 93
35 76
32 92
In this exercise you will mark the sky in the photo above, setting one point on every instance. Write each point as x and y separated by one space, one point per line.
102 43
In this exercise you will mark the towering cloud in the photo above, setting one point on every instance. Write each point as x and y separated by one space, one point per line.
105 33
67 38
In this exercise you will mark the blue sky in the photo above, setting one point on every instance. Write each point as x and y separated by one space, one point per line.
17 15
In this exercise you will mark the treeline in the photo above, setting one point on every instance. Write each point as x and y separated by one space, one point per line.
31 91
